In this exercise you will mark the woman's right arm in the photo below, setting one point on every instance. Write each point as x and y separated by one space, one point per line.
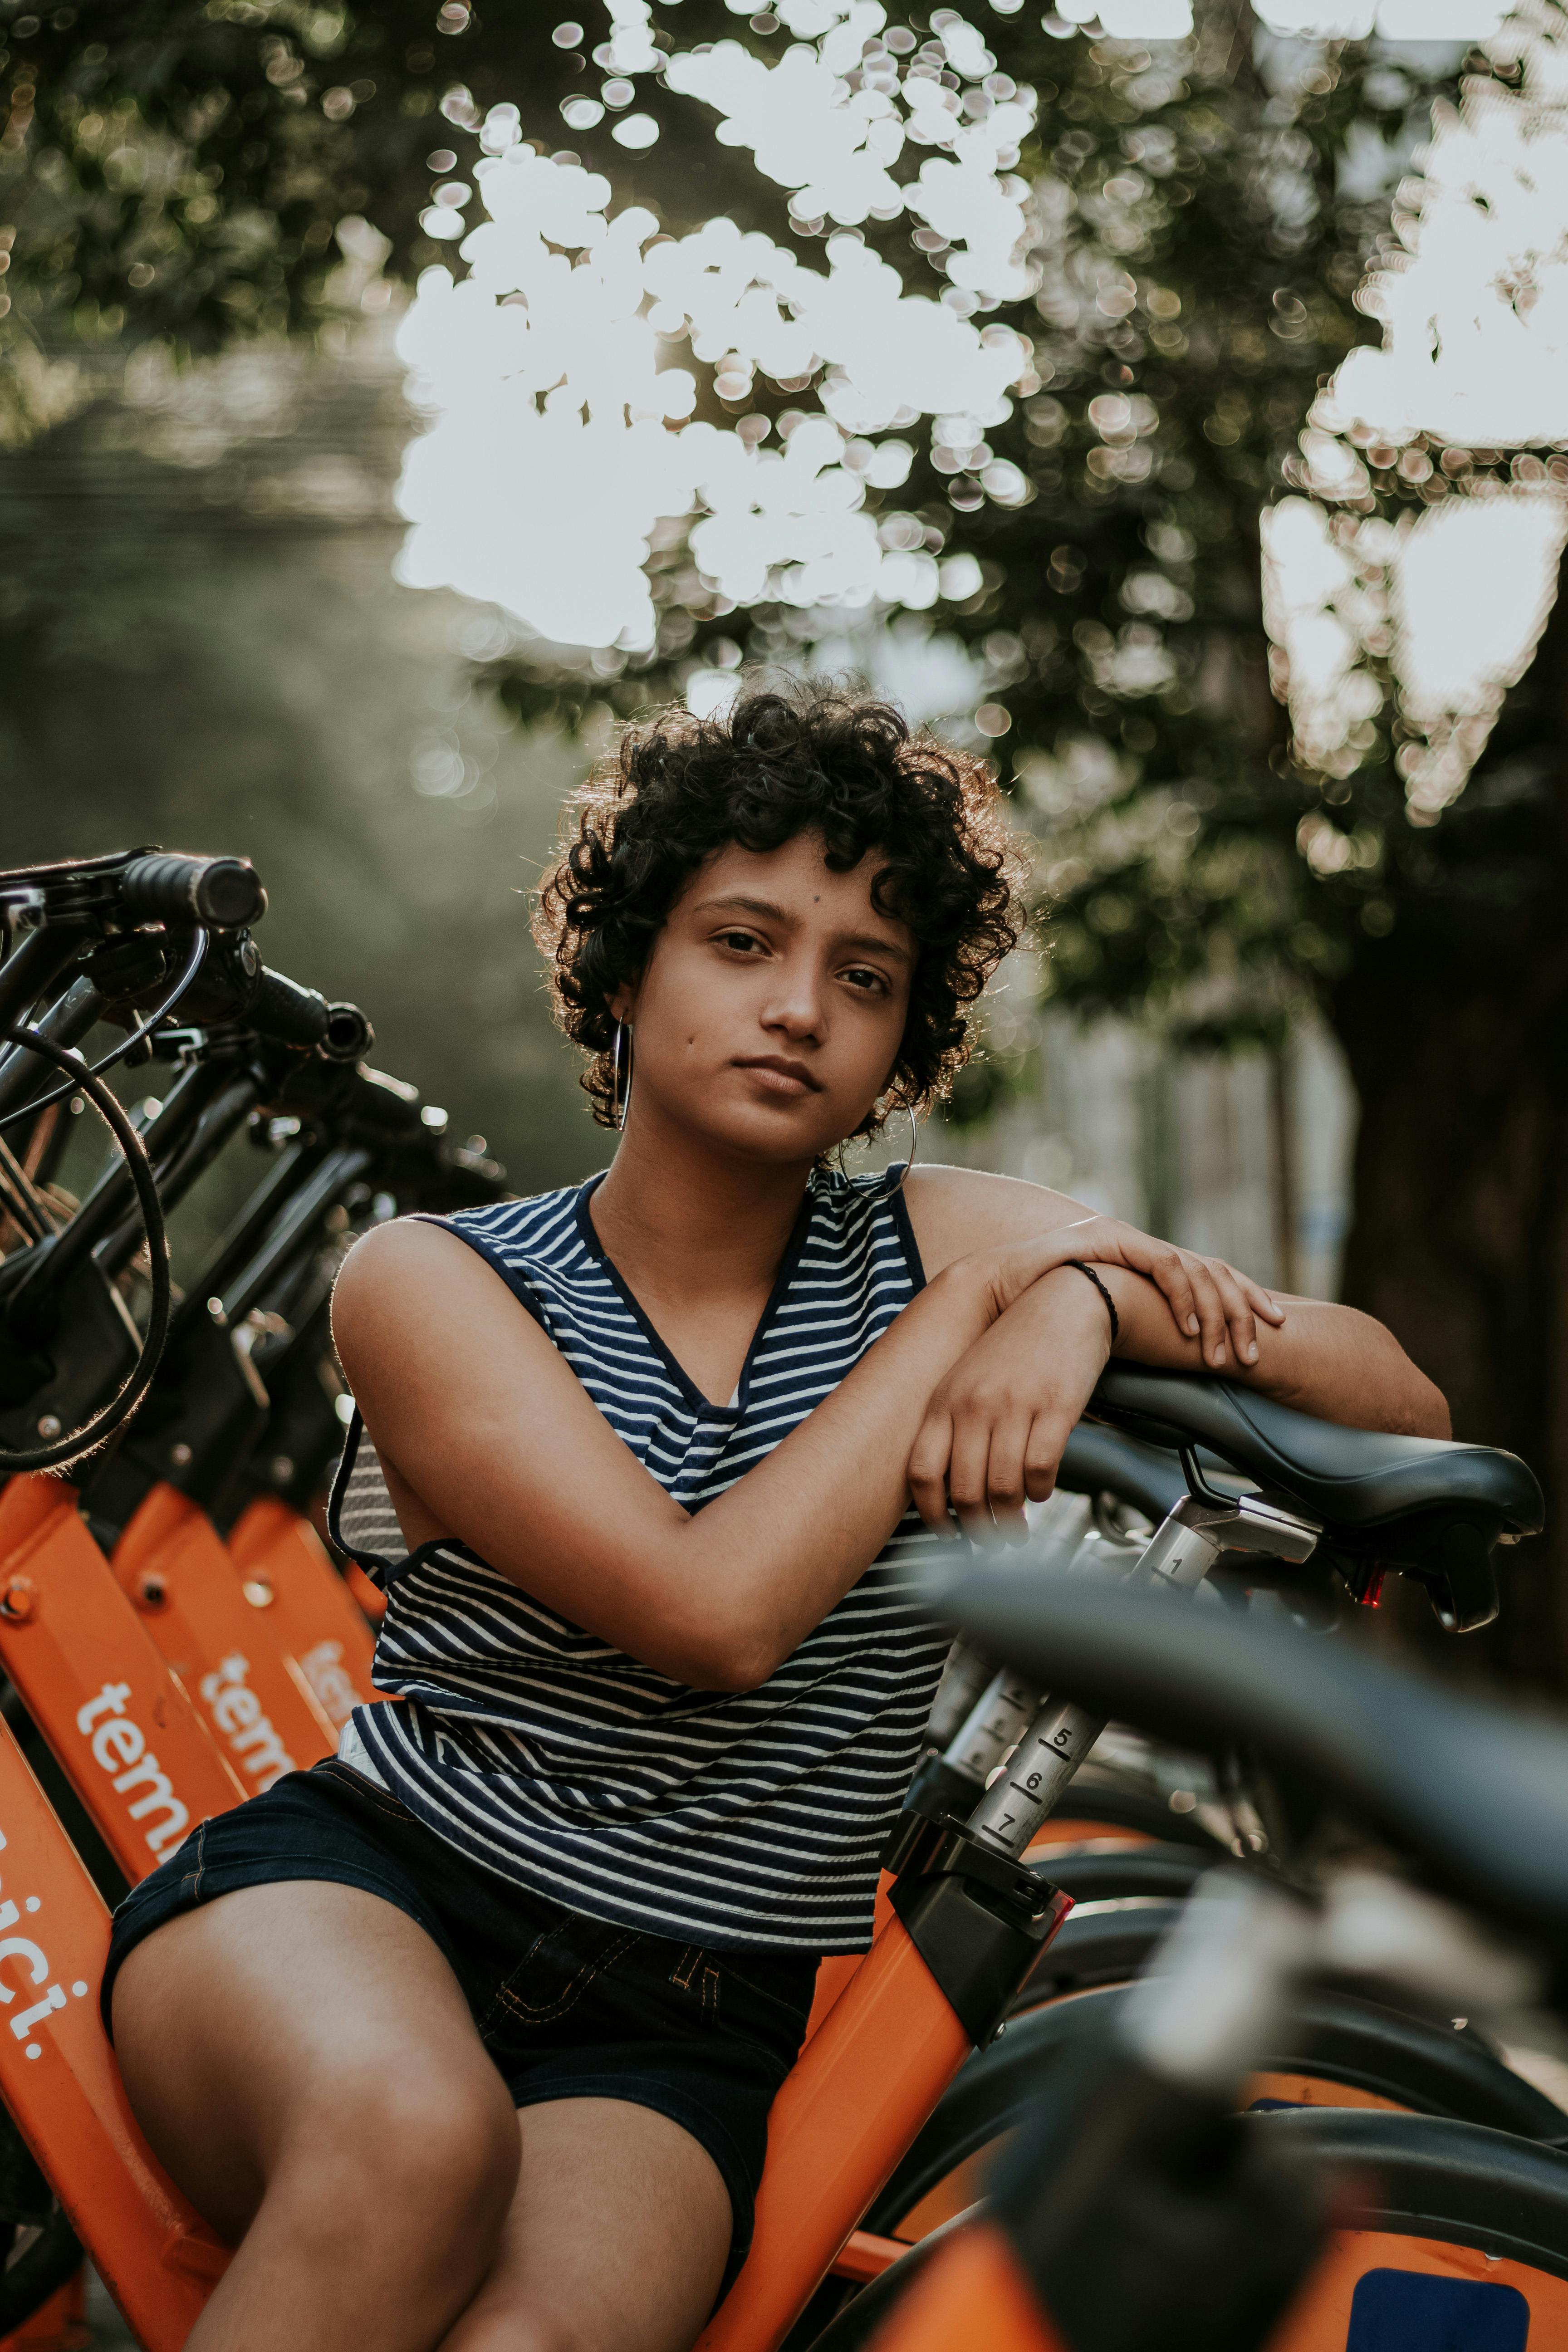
487 1436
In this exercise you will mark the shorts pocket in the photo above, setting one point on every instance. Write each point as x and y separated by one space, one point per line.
558 1966
697 1974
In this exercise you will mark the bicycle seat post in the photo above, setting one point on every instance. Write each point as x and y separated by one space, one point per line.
966 1676
1179 1555
997 1720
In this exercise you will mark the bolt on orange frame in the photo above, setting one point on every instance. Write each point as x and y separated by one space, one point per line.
255 1698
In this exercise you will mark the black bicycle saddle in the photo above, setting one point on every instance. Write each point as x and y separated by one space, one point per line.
1478 1795
1349 1478
1427 1505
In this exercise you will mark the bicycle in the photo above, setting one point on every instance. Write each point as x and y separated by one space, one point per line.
242 1643
1450 2234
71 1643
1352 2051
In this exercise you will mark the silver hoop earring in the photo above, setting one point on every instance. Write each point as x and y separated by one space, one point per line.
914 1146
620 1073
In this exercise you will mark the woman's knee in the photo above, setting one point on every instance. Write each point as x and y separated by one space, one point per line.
420 2154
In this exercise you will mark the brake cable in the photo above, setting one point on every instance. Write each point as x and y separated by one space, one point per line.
30 1038
120 1406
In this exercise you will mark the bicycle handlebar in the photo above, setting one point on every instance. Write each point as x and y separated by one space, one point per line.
96 896
1479 1797
234 985
280 1009
219 893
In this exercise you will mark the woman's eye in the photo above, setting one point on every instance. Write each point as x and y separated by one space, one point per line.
744 942
862 976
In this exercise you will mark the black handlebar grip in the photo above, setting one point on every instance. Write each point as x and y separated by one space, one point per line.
349 1036
219 892
281 1009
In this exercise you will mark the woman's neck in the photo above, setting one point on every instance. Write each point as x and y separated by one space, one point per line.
680 1221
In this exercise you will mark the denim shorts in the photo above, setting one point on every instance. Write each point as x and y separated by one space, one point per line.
568 2007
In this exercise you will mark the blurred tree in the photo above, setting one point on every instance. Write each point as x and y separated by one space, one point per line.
218 657
1205 212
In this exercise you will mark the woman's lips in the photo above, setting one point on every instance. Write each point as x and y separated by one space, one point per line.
787 1078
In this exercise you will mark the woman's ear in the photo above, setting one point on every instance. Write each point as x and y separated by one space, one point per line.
623 1004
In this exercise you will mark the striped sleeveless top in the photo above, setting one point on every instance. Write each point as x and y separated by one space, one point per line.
547 1755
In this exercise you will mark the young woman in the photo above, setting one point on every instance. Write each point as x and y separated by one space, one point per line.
467 2037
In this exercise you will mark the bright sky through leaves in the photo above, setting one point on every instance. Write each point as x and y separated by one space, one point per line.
553 370
1474 354
559 372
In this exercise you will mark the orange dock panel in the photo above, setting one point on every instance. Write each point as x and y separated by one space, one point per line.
58 2076
285 1573
254 1698
119 1722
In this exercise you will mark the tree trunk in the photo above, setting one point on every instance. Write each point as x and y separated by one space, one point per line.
1455 1027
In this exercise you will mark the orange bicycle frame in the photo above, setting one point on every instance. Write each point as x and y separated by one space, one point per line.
866 2081
58 2079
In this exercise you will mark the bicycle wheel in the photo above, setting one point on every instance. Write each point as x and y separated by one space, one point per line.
1106 1871
1349 2054
1460 2240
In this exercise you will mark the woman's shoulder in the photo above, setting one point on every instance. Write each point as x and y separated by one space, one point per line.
528 1243
541 1225
954 1211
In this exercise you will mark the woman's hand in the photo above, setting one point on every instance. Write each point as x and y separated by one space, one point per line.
994 1429
1209 1300
995 1426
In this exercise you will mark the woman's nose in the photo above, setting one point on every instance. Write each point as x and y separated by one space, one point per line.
798 1003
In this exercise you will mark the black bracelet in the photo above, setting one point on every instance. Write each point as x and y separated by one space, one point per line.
1110 1302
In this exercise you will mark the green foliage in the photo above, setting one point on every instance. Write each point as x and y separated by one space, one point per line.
179 170
1199 288
1199 265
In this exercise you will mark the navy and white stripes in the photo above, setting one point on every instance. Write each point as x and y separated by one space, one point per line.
546 1755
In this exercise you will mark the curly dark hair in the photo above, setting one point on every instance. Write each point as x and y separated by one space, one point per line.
804 758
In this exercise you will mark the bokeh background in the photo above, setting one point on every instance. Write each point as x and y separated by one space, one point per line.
1174 399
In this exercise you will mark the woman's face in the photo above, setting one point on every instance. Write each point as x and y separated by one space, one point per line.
772 1004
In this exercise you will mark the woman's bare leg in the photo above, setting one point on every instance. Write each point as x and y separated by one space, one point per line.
617 2239
303 2063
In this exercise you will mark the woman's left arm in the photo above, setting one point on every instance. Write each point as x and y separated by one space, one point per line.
984 1448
